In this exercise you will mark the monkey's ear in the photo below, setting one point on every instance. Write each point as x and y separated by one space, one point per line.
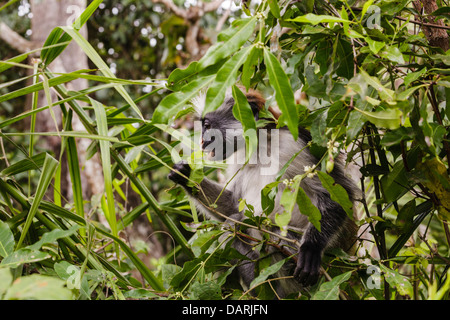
256 102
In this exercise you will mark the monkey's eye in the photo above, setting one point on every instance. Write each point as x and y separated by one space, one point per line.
206 124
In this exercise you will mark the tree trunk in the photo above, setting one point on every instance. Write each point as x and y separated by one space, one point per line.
48 14
436 36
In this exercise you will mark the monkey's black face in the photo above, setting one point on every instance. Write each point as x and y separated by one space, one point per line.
221 132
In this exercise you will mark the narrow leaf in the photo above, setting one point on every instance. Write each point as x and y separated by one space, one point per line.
103 67
240 32
316 19
283 92
102 127
243 112
224 79
308 209
48 171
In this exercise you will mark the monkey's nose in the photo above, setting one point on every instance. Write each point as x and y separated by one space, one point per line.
206 143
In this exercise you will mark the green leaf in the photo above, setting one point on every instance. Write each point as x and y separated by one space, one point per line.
5 65
395 279
283 92
405 94
444 11
75 134
103 67
5 280
374 46
316 19
36 87
74 170
413 76
394 183
65 270
288 200
243 113
102 127
330 290
57 38
239 32
365 8
6 240
38 287
308 209
181 75
173 103
226 76
274 8
385 93
337 193
248 69
54 235
356 119
137 294
393 54
24 255
389 118
209 290
267 272
48 170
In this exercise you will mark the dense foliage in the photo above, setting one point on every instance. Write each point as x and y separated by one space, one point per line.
374 86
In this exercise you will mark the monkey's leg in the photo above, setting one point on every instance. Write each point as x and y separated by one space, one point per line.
314 242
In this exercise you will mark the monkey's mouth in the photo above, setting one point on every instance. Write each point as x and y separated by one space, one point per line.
210 154
209 150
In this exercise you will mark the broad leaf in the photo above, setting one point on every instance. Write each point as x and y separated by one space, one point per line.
330 290
6 240
337 193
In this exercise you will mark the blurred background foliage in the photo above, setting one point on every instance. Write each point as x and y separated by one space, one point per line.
378 91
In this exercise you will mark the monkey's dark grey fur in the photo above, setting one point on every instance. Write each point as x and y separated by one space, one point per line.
247 181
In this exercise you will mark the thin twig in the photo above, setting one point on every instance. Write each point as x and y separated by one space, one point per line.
426 24
213 210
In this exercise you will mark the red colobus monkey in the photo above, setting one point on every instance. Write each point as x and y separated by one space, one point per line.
246 180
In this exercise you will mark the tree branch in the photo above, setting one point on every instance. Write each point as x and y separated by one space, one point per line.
172 6
15 40
437 37
212 6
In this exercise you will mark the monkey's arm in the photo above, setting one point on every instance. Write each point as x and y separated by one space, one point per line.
211 195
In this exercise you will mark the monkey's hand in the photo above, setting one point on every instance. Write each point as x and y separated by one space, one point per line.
308 264
183 168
